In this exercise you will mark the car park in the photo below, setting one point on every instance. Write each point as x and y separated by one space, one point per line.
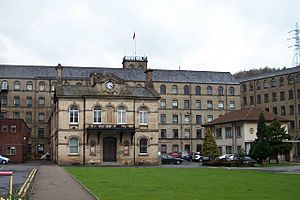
4 160
167 159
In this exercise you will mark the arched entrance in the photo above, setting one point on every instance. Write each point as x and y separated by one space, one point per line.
109 149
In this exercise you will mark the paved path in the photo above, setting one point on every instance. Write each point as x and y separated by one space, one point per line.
54 183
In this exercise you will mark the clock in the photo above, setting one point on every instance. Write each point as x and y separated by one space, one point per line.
109 85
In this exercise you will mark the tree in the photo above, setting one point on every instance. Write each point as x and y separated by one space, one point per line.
261 128
277 136
210 148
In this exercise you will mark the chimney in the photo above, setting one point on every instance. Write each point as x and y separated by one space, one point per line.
149 78
59 70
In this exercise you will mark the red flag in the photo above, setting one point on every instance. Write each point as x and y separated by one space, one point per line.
133 36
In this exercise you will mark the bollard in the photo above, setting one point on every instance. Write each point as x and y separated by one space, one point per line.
9 173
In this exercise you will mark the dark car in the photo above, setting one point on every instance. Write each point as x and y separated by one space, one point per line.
167 159
248 161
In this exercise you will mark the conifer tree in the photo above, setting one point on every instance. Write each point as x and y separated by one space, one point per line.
210 148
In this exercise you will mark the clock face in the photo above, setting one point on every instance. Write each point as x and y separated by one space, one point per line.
109 85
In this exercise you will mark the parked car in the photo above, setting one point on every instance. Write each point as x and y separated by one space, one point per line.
196 157
249 161
175 155
4 160
227 156
167 159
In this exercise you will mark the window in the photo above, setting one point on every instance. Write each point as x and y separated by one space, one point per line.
73 146
175 119
231 105
298 108
291 94
266 97
251 100
163 103
3 101
187 148
251 86
186 104
244 88
186 90
66 83
175 133
198 119
175 104
198 147
267 109
282 110
42 102
28 117
228 149
298 93
163 89
266 84
258 99
281 81
220 90
3 115
186 119
275 110
209 90
41 117
4 128
40 148
209 105
231 91
244 101
297 78
17 85
163 133
219 133
282 96
163 148
17 101
29 102
121 115
16 115
53 86
292 125
199 133
78 83
11 150
73 114
186 133
197 90
198 104
209 118
143 145
41 86
258 85
228 132
238 131
175 148
144 116
97 115
273 82
4 85
290 79
163 118
29 86
174 89
221 105
292 111
41 132
274 96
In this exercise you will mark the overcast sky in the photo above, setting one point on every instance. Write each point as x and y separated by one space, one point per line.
206 35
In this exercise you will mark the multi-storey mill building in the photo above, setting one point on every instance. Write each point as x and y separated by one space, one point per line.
187 99
278 93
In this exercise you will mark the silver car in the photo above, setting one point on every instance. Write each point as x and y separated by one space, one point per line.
4 160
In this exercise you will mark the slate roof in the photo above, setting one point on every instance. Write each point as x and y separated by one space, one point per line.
180 76
272 74
250 114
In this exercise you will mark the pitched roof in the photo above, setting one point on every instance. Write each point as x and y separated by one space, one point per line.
180 76
250 114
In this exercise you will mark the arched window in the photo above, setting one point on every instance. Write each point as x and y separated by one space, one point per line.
78 83
17 85
29 86
220 90
73 114
163 89
273 82
41 86
197 90
143 116
121 115
4 85
73 146
143 145
174 89
186 90
251 86
97 115
53 85
231 91
258 85
266 84
281 81
67 83
209 90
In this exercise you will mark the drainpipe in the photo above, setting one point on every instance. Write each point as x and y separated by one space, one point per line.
84 132
134 131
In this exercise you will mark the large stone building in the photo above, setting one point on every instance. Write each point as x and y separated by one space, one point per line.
187 100
279 93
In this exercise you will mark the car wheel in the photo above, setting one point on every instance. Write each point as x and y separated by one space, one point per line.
178 162
4 162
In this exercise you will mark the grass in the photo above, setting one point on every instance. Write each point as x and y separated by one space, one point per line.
184 183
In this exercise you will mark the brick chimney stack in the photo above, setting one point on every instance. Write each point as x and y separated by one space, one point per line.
149 78
59 70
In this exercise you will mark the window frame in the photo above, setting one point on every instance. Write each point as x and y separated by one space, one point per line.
71 146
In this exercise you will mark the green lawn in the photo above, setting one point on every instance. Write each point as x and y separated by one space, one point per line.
184 183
